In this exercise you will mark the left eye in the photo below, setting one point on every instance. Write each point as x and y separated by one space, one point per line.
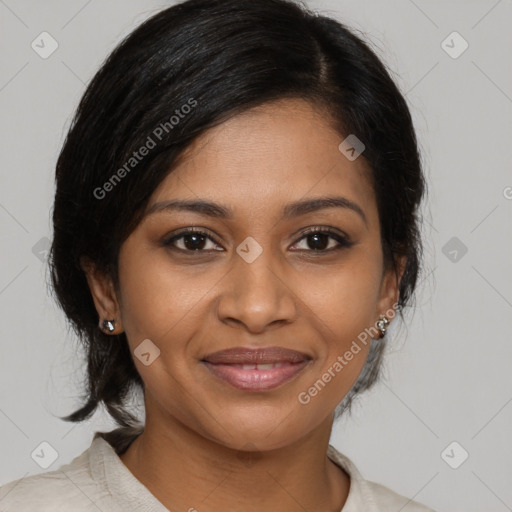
317 240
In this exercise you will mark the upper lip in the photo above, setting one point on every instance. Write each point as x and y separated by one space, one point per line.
245 355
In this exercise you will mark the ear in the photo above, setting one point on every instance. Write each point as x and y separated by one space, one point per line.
103 295
390 288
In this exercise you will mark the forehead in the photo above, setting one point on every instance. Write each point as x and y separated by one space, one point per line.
267 156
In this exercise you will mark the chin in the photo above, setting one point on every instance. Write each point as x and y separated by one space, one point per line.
262 432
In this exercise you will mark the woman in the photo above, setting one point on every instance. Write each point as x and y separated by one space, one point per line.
235 227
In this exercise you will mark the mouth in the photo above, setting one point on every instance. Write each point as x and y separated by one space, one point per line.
256 369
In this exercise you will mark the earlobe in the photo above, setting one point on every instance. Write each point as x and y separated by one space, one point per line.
104 297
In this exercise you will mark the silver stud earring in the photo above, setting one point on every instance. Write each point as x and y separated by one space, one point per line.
108 325
382 325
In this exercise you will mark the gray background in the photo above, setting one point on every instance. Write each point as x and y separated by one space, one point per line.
447 375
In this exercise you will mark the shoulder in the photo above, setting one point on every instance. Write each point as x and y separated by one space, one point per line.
53 491
371 496
386 499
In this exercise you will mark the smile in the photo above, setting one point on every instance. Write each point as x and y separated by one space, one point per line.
256 369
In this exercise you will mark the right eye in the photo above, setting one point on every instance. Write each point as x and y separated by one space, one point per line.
192 240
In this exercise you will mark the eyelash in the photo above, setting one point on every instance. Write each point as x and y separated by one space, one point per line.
343 241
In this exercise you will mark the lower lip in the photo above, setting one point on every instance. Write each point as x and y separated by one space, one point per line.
255 380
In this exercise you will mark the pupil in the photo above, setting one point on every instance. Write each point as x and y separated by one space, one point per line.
320 242
323 245
192 247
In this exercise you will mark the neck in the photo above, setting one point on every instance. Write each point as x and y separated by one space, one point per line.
186 471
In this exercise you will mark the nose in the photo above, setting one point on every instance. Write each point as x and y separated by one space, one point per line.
257 296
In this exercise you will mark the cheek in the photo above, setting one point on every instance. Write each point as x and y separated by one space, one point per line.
344 317
341 308
154 296
344 301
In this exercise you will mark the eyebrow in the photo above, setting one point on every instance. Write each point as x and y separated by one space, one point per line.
295 209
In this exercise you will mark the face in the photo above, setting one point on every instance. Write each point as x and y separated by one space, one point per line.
308 280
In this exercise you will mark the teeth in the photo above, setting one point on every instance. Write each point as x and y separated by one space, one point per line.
267 366
260 366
